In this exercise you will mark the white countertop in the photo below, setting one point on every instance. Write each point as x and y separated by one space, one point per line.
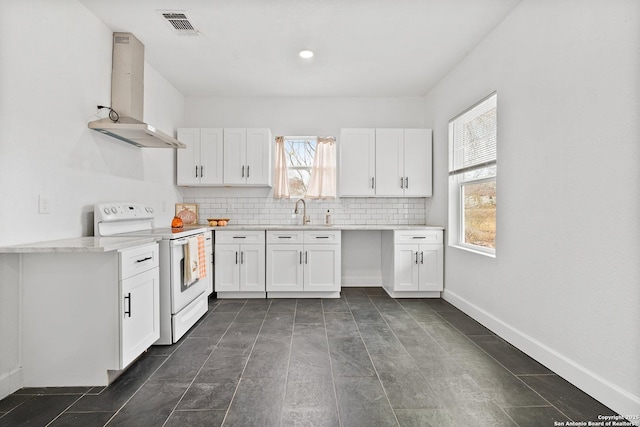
79 244
107 244
344 227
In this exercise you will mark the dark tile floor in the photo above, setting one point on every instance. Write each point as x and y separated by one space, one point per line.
362 360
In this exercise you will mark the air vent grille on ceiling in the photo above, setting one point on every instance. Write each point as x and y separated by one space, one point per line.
179 22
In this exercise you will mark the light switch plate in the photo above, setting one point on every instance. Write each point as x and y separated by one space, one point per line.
44 205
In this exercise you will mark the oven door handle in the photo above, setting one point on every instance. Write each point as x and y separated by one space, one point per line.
183 241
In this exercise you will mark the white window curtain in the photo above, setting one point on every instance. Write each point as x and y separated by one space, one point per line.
322 184
281 184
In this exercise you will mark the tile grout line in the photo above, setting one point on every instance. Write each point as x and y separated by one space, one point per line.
139 388
399 341
446 352
286 377
494 359
425 331
143 384
91 394
393 411
65 409
226 414
333 379
203 363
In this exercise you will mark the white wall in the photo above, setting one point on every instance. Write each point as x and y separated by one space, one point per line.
304 116
55 67
564 284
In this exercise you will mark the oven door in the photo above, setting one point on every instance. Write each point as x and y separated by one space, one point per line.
182 295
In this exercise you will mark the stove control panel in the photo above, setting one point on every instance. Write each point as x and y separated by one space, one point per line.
116 218
106 212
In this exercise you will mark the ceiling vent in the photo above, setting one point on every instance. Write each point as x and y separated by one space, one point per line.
179 22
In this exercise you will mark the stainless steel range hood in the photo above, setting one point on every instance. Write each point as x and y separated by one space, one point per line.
127 98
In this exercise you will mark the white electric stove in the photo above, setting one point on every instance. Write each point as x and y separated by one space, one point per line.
181 304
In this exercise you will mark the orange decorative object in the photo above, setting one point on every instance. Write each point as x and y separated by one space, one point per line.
177 222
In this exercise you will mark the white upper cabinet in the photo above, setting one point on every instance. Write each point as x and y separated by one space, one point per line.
389 162
235 156
386 162
201 163
259 148
230 157
247 157
418 162
357 162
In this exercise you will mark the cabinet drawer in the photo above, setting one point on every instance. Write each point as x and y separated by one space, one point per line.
284 237
418 236
239 237
137 260
321 236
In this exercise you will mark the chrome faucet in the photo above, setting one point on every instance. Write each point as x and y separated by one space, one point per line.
305 218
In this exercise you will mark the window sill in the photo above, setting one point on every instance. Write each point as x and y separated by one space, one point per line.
475 251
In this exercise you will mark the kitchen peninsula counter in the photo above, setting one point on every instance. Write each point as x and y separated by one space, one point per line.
79 244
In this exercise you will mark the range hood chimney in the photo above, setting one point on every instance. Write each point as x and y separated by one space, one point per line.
127 98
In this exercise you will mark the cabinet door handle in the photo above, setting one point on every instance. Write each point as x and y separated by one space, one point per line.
322 237
401 182
196 171
144 259
406 182
306 257
236 257
243 171
373 183
241 257
239 237
416 257
284 237
247 171
300 257
127 299
201 171
421 257
419 237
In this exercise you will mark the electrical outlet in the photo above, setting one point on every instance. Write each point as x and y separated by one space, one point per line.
44 205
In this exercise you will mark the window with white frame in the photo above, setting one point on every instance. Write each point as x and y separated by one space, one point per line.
300 151
472 177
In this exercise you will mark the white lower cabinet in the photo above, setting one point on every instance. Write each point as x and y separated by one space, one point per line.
87 315
140 314
139 301
239 264
286 268
303 264
412 263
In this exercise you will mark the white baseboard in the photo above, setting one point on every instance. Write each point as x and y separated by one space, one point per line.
360 281
611 395
10 382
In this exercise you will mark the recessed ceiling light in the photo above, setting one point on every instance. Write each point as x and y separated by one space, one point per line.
306 54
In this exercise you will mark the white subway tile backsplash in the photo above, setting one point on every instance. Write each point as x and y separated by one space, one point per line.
344 211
